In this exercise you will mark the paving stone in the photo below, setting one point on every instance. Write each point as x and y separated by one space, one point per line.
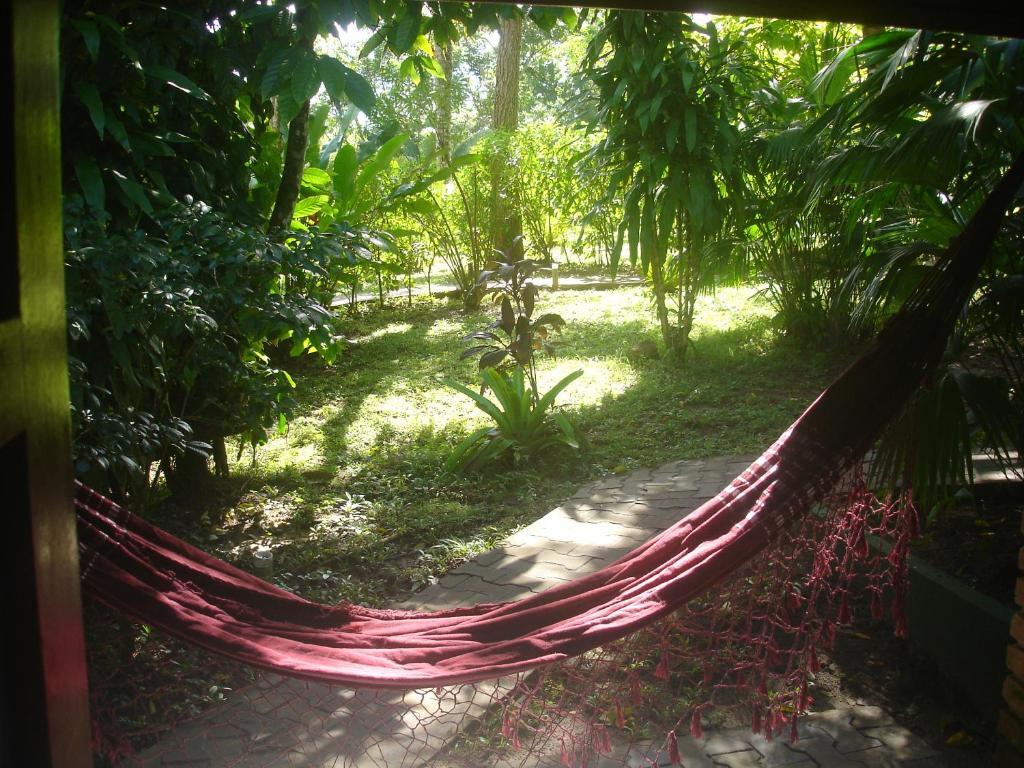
685 502
646 755
600 532
778 752
624 507
592 514
570 562
866 717
902 743
524 538
636 488
883 758
492 557
485 591
824 754
602 496
601 556
846 738
723 742
471 591
747 758
452 580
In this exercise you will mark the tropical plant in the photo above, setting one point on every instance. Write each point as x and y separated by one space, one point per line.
669 94
524 426
170 337
456 220
513 340
935 120
507 359
802 246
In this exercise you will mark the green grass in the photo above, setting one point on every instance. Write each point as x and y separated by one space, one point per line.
354 498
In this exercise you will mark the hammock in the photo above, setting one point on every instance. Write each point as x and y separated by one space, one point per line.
144 572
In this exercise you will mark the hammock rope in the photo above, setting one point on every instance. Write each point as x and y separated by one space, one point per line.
136 568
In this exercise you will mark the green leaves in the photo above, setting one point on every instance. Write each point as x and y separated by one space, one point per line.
359 91
89 95
379 160
405 28
316 178
523 428
344 177
690 124
305 79
674 168
311 205
89 178
332 73
133 191
294 75
176 80
90 36
343 82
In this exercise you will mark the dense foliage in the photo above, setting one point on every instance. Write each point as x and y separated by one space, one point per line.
191 141
172 332
232 171
669 95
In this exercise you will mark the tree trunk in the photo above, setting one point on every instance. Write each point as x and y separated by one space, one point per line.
505 224
220 456
443 97
291 174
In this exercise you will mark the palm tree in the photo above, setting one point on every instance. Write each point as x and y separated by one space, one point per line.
927 123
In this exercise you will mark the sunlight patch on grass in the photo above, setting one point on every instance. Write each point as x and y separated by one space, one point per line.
602 377
387 330
285 453
444 327
729 307
402 411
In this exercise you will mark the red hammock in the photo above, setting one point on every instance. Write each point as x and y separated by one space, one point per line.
152 576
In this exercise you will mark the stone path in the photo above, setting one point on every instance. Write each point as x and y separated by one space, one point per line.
854 737
283 722
545 282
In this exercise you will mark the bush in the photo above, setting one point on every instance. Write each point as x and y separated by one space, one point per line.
525 425
171 332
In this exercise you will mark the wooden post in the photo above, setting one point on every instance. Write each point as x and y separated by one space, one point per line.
1010 749
44 716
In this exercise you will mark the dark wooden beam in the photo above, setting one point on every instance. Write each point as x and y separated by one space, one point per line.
44 713
985 17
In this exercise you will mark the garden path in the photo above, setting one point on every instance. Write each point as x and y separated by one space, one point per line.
546 282
284 722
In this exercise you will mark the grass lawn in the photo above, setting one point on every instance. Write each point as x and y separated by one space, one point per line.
356 503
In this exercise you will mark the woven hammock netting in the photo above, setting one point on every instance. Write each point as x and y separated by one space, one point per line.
718 620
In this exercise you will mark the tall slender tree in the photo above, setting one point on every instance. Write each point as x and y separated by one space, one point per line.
505 224
443 95
668 95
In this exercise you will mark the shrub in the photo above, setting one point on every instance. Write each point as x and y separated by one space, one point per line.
524 426
170 335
